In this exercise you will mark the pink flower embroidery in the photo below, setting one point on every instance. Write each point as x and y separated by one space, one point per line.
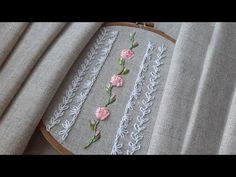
127 54
116 80
102 113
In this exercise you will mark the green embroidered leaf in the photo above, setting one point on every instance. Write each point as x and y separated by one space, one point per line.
131 36
97 133
113 97
134 44
95 126
112 101
92 124
97 122
125 71
97 137
121 61
108 89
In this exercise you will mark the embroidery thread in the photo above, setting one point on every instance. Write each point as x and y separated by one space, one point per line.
102 50
102 113
145 109
136 92
79 76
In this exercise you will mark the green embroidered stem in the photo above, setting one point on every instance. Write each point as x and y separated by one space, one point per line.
134 43
93 140
122 63
97 133
110 98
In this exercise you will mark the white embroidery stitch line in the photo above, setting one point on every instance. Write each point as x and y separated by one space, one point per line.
145 109
79 76
136 92
107 42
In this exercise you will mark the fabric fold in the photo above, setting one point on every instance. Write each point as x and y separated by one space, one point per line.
228 141
180 88
214 94
19 121
24 57
196 114
10 33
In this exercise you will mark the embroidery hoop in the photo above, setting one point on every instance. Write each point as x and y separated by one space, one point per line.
56 145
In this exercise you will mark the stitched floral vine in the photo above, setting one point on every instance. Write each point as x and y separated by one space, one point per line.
102 113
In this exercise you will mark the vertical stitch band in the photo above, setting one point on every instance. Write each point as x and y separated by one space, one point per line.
136 92
106 41
79 76
145 109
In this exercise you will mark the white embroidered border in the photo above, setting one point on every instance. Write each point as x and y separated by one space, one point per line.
145 109
122 130
74 112
79 76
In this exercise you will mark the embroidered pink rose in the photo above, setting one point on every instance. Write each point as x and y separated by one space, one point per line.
116 80
102 113
127 54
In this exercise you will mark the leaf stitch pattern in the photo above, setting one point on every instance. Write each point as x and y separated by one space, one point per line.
70 93
102 49
140 124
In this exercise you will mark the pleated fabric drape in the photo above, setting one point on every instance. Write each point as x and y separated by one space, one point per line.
31 75
197 112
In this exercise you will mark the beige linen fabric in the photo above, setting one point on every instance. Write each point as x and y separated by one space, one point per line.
196 102
19 121
9 35
24 57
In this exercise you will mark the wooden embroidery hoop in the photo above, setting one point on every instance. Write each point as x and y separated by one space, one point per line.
57 146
